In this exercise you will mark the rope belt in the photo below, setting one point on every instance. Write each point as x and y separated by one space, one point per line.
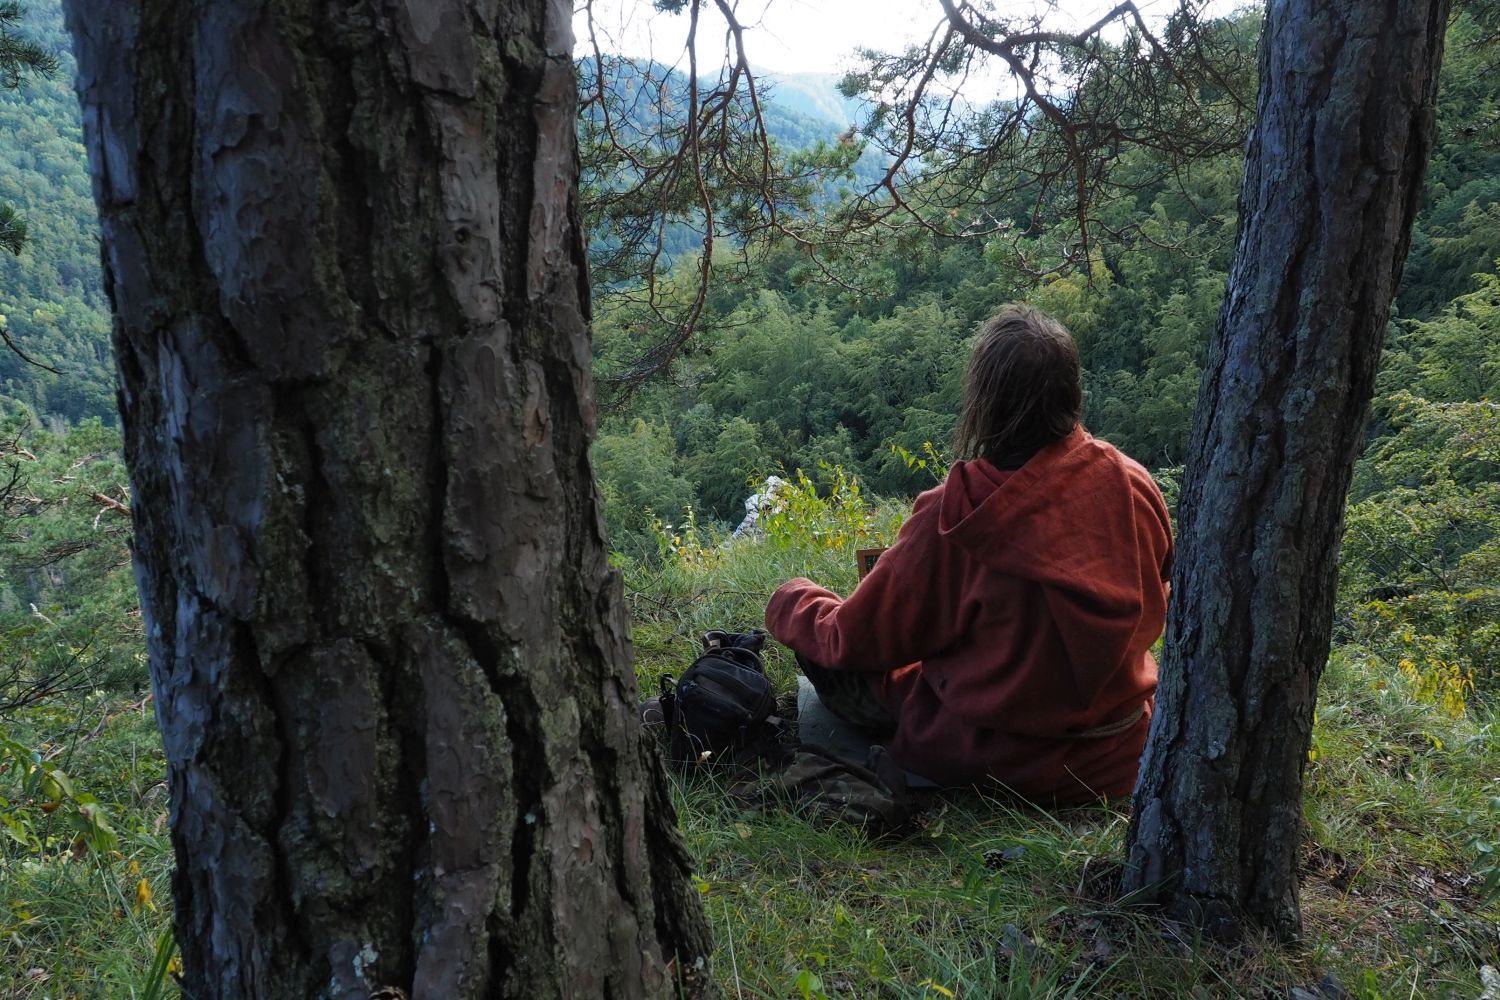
1108 729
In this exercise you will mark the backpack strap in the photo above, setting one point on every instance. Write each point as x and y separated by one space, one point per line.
668 700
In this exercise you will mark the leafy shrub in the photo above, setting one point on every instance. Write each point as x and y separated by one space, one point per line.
638 472
838 519
40 808
1421 559
932 460
69 616
687 543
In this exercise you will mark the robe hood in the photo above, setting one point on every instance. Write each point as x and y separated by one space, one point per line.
1013 615
1059 520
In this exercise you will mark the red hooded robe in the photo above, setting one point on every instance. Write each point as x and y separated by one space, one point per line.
1015 607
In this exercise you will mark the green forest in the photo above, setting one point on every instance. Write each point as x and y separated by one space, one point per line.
53 299
861 378
839 371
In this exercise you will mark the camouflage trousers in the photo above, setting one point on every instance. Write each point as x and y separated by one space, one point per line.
851 695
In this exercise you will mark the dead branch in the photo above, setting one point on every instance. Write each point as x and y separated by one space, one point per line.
5 335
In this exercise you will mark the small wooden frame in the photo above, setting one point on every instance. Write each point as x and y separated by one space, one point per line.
865 560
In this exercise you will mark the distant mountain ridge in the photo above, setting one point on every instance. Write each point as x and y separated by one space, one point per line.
52 298
799 108
815 95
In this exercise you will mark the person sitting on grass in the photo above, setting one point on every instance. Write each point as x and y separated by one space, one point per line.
1005 637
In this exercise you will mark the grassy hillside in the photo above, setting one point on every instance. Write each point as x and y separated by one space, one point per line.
986 898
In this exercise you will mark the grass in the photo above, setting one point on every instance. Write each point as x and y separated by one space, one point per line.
1400 799
1391 903
985 899
75 923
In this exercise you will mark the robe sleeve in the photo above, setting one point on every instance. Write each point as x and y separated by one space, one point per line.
904 610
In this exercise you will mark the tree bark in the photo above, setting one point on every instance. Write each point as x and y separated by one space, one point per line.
1332 179
391 665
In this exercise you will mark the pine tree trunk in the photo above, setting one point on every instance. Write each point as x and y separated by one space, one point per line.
1332 180
391 664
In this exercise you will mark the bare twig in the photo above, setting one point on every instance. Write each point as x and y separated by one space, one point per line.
5 335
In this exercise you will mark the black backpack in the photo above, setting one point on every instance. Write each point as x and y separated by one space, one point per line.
722 709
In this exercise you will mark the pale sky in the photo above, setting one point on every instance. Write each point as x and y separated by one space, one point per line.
810 35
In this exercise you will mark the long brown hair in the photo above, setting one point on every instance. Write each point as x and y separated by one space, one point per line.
1023 389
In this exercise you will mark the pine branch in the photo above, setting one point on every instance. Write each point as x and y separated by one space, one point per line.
19 56
12 230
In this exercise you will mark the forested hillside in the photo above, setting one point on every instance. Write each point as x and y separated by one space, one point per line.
794 371
801 364
861 376
831 357
51 295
